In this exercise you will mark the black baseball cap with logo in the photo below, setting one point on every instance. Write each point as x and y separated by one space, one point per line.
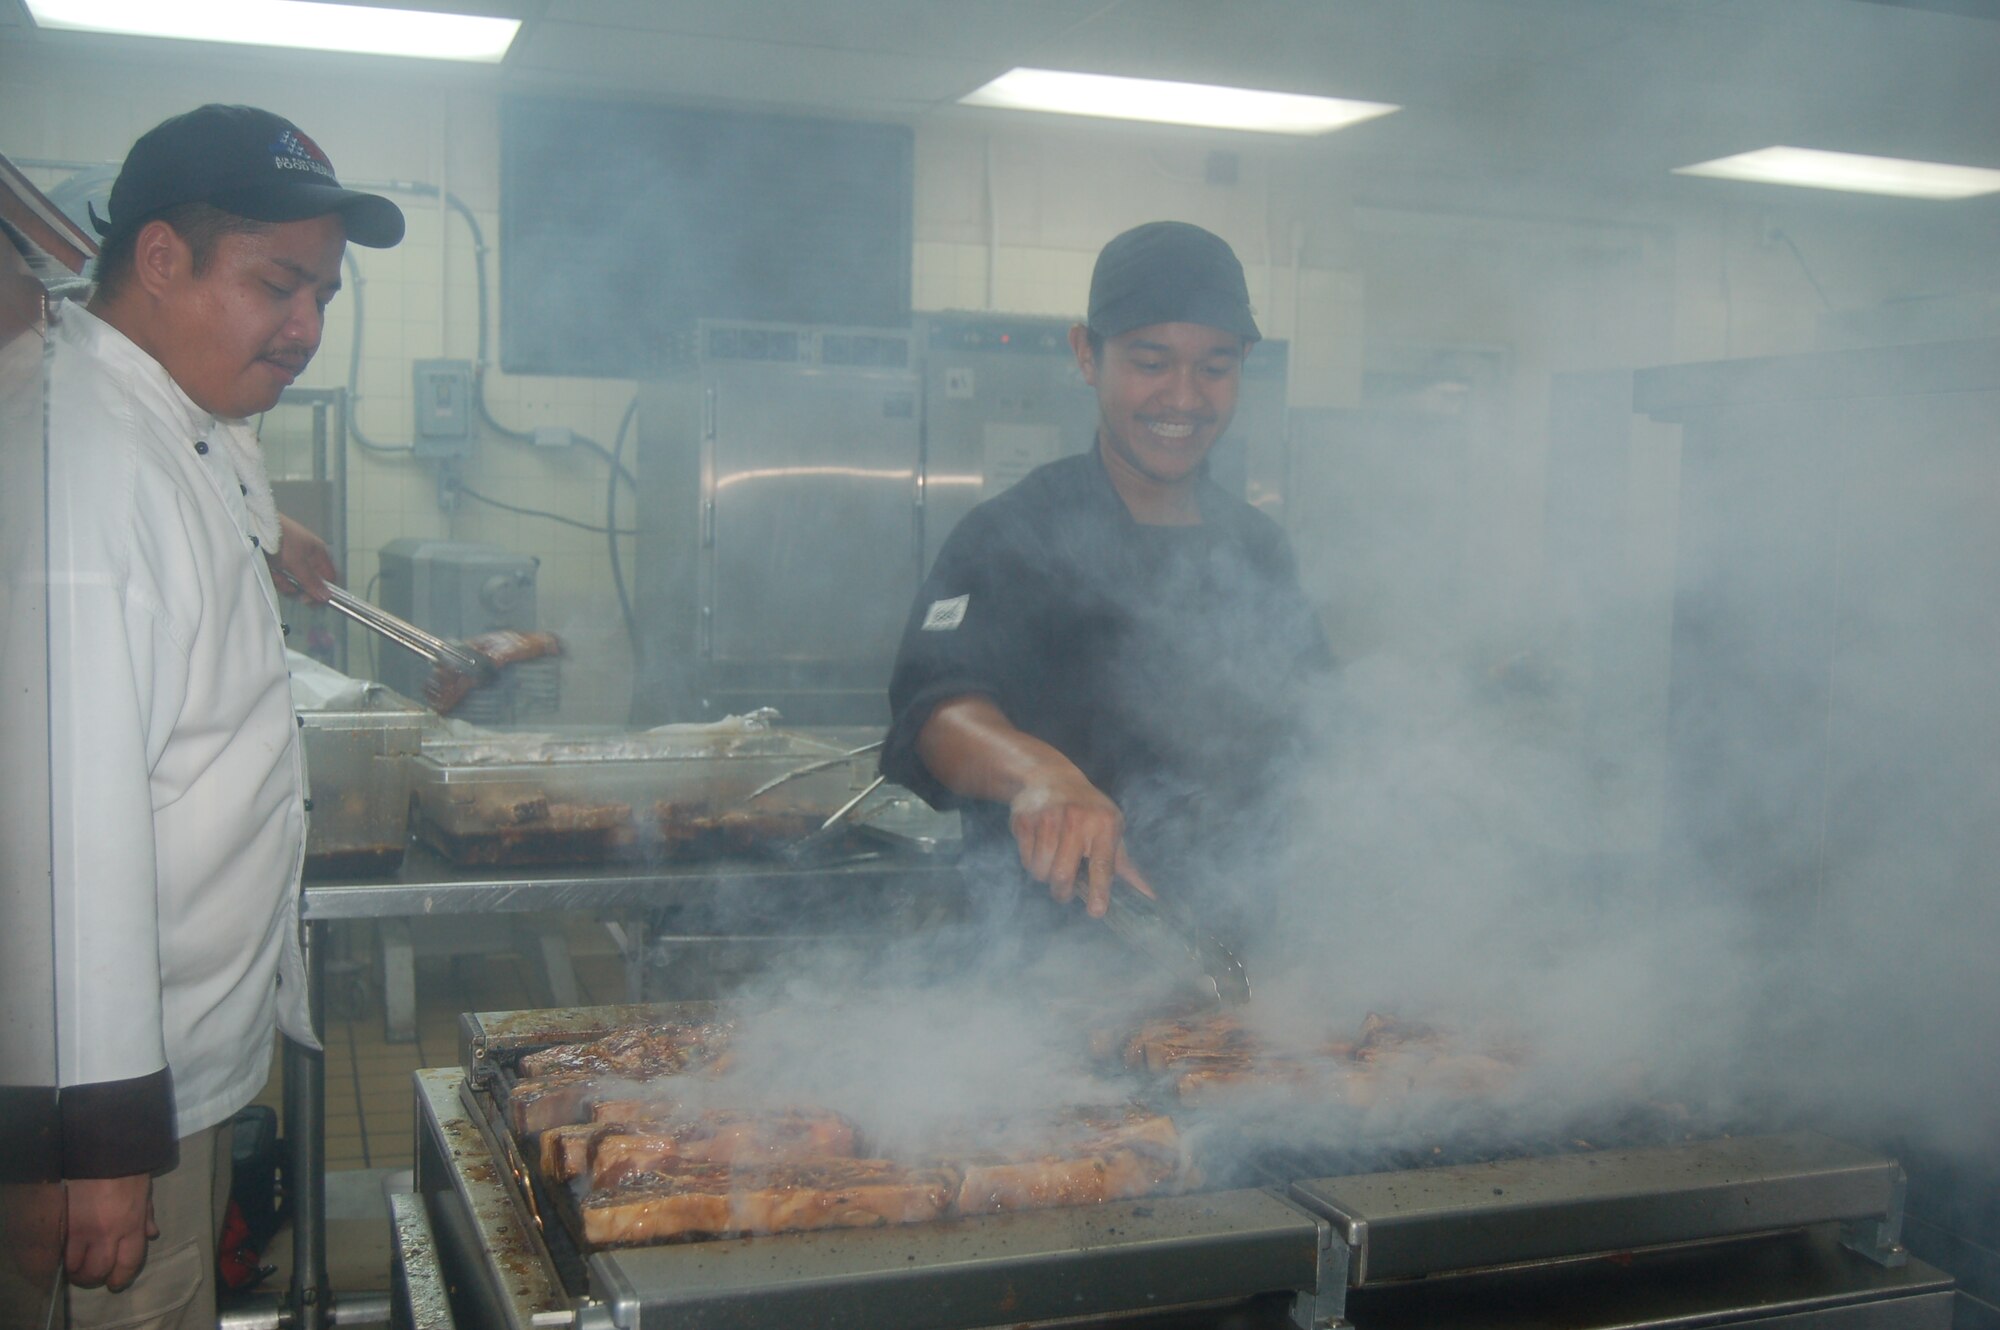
1169 272
244 161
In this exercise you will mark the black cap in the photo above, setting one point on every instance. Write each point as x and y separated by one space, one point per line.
243 161
1169 272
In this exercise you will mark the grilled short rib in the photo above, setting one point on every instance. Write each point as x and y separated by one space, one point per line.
641 1050
680 1199
1084 1154
723 1136
562 1084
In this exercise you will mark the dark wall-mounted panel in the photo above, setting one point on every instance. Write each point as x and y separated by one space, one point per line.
622 224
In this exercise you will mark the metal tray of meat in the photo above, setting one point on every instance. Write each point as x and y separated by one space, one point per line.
672 795
357 758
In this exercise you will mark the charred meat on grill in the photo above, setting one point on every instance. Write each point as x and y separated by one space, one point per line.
682 1199
992 1184
564 1083
535 1106
1083 1154
1209 1057
722 1136
643 1049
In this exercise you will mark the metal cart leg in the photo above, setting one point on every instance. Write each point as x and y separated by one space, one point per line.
629 933
541 940
399 981
305 1150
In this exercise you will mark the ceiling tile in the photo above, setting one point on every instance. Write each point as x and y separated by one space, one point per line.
757 73
957 30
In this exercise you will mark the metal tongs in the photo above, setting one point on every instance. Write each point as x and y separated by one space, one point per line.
453 656
812 847
1171 937
812 768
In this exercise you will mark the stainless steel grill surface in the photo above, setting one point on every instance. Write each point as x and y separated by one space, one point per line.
1780 1230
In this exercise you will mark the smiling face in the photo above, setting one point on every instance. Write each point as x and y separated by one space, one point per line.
1165 394
236 333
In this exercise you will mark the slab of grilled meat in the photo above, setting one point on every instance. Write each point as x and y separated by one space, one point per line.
1211 1057
682 1199
564 1083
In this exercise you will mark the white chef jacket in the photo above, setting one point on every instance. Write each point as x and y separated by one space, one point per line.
177 773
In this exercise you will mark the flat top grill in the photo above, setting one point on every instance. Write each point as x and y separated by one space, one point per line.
1314 1240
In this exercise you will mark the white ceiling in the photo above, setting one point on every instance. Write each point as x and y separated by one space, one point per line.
1601 87
1604 92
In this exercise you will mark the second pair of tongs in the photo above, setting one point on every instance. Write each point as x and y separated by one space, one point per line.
812 847
811 769
455 656
1176 941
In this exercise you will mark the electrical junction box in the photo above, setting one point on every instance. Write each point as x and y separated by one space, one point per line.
442 393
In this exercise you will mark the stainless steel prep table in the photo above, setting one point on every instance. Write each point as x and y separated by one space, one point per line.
427 886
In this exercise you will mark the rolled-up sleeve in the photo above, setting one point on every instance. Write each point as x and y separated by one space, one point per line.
970 632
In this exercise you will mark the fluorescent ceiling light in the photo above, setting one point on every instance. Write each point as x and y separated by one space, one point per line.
1118 98
1851 171
319 27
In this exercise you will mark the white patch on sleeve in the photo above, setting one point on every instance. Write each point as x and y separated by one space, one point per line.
945 615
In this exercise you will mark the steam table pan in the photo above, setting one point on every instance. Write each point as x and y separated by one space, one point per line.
542 799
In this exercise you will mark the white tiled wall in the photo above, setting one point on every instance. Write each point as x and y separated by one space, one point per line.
1004 220
419 300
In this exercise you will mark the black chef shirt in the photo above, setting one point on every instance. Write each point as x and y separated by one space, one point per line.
1167 662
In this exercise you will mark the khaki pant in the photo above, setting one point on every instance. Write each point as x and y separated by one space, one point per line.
175 1289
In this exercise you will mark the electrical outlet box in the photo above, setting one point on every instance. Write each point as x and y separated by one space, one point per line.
442 393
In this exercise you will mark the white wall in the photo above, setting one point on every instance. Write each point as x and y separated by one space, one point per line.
1010 218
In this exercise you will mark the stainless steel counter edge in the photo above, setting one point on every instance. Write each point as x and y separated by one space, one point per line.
1038 1265
1435 1220
475 1224
419 1298
427 886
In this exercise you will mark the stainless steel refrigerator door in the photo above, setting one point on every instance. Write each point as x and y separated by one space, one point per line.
994 410
811 538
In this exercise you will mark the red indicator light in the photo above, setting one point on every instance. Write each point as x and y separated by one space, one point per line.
1006 338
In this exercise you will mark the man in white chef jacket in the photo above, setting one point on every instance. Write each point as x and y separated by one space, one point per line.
177 776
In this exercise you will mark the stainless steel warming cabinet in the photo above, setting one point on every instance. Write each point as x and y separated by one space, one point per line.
779 528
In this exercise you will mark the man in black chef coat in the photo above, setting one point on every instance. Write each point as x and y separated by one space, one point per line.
1104 669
